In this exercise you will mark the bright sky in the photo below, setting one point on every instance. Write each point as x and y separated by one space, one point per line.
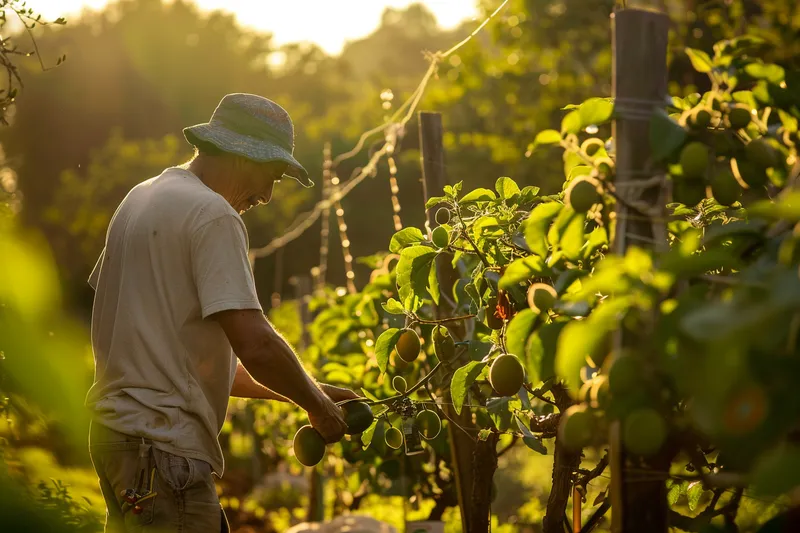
328 23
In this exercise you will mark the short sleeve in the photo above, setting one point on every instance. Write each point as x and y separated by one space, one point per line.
95 275
221 267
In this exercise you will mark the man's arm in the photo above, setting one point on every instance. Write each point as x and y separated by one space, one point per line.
244 386
269 359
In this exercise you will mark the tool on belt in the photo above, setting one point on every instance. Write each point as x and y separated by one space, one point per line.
132 498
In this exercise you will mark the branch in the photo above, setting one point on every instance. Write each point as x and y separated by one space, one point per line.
698 523
511 444
596 517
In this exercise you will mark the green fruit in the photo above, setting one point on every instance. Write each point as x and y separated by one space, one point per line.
440 237
761 154
754 176
399 384
700 118
644 432
442 215
694 160
309 446
625 375
408 346
541 297
576 428
358 417
725 188
393 438
689 193
739 118
506 375
582 194
429 424
443 344
492 321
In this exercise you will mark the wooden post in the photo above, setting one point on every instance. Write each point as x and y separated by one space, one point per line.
434 179
639 500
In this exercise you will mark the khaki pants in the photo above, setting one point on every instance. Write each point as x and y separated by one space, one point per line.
186 497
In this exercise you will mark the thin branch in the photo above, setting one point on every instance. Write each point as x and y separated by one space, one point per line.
511 444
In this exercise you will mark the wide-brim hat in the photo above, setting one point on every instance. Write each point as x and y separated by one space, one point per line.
253 127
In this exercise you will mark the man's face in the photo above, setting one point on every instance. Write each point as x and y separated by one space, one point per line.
253 185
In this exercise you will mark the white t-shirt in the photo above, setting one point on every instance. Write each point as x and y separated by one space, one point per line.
175 253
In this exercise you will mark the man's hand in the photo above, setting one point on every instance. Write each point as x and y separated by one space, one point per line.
338 394
328 419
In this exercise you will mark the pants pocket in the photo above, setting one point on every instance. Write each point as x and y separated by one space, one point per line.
176 471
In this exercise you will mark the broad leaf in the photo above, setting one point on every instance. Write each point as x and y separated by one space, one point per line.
405 237
595 111
384 345
393 307
522 270
413 275
366 436
435 200
506 187
770 72
463 378
536 225
478 195
535 444
666 135
693 493
543 138
571 123
700 60
541 352
518 331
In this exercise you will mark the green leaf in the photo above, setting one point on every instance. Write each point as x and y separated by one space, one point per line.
787 206
478 195
666 135
506 187
571 123
413 275
543 138
463 378
693 493
535 226
518 331
777 471
366 436
674 491
393 307
522 270
535 444
595 111
766 71
367 394
572 240
541 352
433 282
405 237
384 345
700 60
434 201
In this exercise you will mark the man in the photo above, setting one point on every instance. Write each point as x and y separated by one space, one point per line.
175 305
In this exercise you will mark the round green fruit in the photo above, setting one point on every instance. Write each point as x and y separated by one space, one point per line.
739 117
576 428
694 160
443 344
399 384
541 297
689 193
408 345
442 215
700 118
358 417
644 432
761 154
625 375
440 237
309 446
754 176
506 375
725 188
393 438
583 193
429 424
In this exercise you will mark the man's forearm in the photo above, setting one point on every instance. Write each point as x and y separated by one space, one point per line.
244 386
274 364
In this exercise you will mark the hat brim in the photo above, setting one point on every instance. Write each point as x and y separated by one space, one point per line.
254 149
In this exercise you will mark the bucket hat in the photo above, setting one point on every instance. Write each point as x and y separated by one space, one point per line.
253 127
